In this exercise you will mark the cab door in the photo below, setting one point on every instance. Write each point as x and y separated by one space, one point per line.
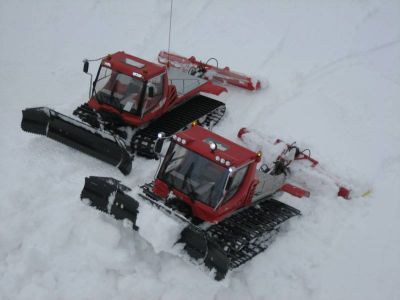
234 194
154 94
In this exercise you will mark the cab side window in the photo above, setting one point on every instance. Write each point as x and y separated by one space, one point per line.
234 182
154 92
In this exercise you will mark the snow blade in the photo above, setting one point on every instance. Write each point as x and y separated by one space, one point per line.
108 195
198 246
78 135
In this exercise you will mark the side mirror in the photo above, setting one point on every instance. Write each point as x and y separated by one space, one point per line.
85 66
151 91
159 142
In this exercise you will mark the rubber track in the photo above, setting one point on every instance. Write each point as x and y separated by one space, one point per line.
173 121
247 232
177 119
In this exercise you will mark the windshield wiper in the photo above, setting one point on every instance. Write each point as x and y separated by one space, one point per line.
191 193
113 99
187 175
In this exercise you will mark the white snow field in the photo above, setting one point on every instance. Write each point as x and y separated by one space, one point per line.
333 69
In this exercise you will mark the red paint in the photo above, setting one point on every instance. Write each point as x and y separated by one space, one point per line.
251 192
117 61
233 152
302 156
295 190
344 193
236 154
160 189
241 132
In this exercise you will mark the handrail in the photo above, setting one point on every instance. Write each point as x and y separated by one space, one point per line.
183 82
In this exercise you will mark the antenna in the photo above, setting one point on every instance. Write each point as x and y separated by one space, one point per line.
169 33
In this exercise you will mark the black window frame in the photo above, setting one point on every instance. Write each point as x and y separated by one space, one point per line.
144 94
213 203
137 112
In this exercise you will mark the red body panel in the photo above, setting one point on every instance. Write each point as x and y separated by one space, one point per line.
295 190
238 156
195 141
160 188
117 62
146 71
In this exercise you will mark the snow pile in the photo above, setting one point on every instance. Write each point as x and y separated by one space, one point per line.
159 229
334 77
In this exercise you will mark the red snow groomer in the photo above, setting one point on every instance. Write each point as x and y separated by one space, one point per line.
131 101
215 189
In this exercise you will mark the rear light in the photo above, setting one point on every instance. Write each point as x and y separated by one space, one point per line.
344 193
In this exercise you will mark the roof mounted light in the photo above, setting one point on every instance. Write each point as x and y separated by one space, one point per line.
217 158
183 142
179 139
227 163
213 146
136 74
174 137
134 63
222 161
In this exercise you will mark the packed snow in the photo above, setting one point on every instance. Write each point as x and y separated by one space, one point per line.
333 69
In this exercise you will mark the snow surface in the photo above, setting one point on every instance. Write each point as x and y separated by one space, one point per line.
334 74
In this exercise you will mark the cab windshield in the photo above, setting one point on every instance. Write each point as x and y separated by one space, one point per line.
118 90
196 176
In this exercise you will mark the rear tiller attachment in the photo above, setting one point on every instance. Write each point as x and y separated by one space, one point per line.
208 71
251 137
